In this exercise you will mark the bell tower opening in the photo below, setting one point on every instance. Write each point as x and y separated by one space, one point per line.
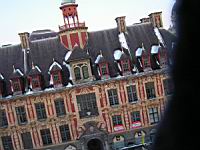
95 144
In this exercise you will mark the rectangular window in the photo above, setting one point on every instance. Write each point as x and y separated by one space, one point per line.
117 120
56 78
132 93
150 90
7 143
125 65
27 140
60 107
40 111
146 63
168 86
21 115
153 115
135 116
46 137
35 82
16 86
65 133
104 70
87 105
3 119
113 97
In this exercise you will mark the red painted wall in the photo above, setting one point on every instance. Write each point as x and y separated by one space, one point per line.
64 41
74 39
84 38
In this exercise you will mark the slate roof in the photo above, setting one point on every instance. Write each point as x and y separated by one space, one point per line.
43 51
78 54
42 34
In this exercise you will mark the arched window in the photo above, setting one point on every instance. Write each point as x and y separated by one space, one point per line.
77 73
85 72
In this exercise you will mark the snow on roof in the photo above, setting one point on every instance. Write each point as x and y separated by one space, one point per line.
117 54
154 49
69 68
1 77
98 58
17 70
159 36
122 40
68 55
38 69
138 52
54 64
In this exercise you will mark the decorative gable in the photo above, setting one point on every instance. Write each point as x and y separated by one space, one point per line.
17 82
79 61
35 78
55 71
102 66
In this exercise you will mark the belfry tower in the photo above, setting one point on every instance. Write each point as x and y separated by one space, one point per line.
72 32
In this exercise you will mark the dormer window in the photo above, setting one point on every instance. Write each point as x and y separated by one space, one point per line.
77 73
81 72
35 82
104 69
125 65
57 78
55 74
85 72
17 84
35 78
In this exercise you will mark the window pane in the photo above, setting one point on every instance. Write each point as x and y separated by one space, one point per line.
150 90
35 82
117 120
154 116
60 107
113 97
132 93
40 110
3 119
85 72
65 133
16 86
125 65
56 78
104 69
7 143
46 136
21 114
135 116
77 73
87 105
27 140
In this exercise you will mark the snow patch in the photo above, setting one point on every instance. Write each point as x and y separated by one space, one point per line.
138 52
69 68
9 96
119 66
69 85
117 54
154 49
49 89
98 58
1 77
29 92
122 40
54 64
68 55
17 70
159 36
38 69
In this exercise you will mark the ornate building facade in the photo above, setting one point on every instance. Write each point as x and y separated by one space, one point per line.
75 89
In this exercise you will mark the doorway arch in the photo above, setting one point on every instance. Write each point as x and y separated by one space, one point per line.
95 144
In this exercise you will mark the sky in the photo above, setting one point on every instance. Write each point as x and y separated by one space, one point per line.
30 15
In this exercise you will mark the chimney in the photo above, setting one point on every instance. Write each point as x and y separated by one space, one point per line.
24 38
121 24
144 20
156 19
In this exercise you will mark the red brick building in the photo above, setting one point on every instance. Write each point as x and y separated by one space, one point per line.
75 89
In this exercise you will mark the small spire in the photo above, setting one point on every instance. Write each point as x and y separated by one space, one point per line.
87 51
33 66
53 59
14 68
143 47
101 53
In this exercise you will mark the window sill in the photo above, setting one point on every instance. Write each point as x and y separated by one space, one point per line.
114 106
134 102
